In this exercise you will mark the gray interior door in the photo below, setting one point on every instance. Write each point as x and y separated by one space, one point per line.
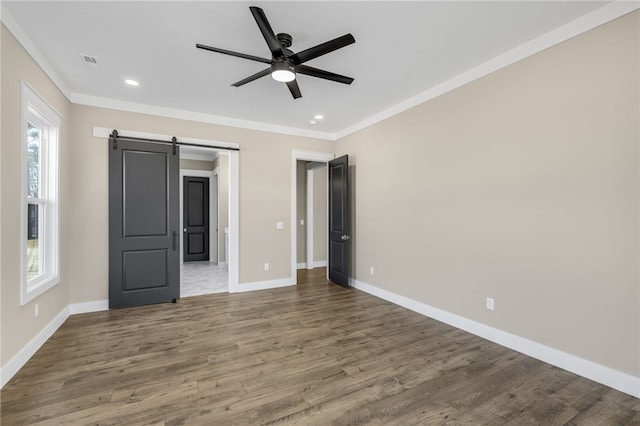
339 238
143 223
195 218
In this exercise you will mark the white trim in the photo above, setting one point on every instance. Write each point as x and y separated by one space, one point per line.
216 192
263 285
309 215
598 17
21 358
197 173
104 132
17 31
576 27
34 107
322 157
233 253
316 264
81 99
599 373
234 187
86 307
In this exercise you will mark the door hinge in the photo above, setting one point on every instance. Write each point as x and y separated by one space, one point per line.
175 146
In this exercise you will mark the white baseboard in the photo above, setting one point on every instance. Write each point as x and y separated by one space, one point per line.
85 307
316 264
21 358
262 285
598 373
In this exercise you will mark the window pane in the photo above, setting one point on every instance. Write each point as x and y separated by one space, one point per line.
34 243
33 160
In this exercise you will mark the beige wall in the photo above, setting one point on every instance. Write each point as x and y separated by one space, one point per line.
265 197
320 234
522 186
18 324
197 164
265 193
222 163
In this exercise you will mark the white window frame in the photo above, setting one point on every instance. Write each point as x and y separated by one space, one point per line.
36 110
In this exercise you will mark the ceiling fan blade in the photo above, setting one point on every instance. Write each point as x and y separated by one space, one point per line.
315 72
322 49
252 77
294 89
267 31
229 52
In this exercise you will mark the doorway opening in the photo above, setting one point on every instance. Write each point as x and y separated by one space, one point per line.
309 210
204 219
311 215
199 146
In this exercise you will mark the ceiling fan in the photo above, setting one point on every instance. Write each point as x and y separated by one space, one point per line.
285 64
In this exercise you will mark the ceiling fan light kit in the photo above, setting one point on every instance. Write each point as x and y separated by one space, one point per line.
283 72
285 64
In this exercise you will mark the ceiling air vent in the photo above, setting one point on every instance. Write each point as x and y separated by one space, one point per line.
90 61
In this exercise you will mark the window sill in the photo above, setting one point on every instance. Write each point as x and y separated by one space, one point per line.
38 287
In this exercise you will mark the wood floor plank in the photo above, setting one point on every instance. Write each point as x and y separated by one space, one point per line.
314 354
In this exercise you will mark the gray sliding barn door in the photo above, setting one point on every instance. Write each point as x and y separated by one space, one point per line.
144 262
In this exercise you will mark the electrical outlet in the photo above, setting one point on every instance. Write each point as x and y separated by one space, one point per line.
36 311
266 266
372 271
279 225
490 303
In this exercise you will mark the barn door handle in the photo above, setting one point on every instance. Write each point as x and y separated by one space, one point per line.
175 235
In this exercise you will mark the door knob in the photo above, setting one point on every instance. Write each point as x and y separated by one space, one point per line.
185 229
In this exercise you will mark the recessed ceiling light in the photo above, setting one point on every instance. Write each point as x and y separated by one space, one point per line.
131 82
312 122
318 116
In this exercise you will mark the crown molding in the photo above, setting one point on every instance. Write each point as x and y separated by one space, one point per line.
609 12
598 17
16 30
96 101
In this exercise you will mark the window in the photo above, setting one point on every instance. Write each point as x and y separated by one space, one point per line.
40 207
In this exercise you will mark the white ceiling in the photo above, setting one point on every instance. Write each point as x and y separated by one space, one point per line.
402 49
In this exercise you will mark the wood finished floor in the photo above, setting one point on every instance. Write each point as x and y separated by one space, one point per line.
317 354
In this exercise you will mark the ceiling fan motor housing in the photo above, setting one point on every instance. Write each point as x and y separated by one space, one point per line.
284 39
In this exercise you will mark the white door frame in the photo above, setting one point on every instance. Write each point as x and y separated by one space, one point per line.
310 220
321 157
198 173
